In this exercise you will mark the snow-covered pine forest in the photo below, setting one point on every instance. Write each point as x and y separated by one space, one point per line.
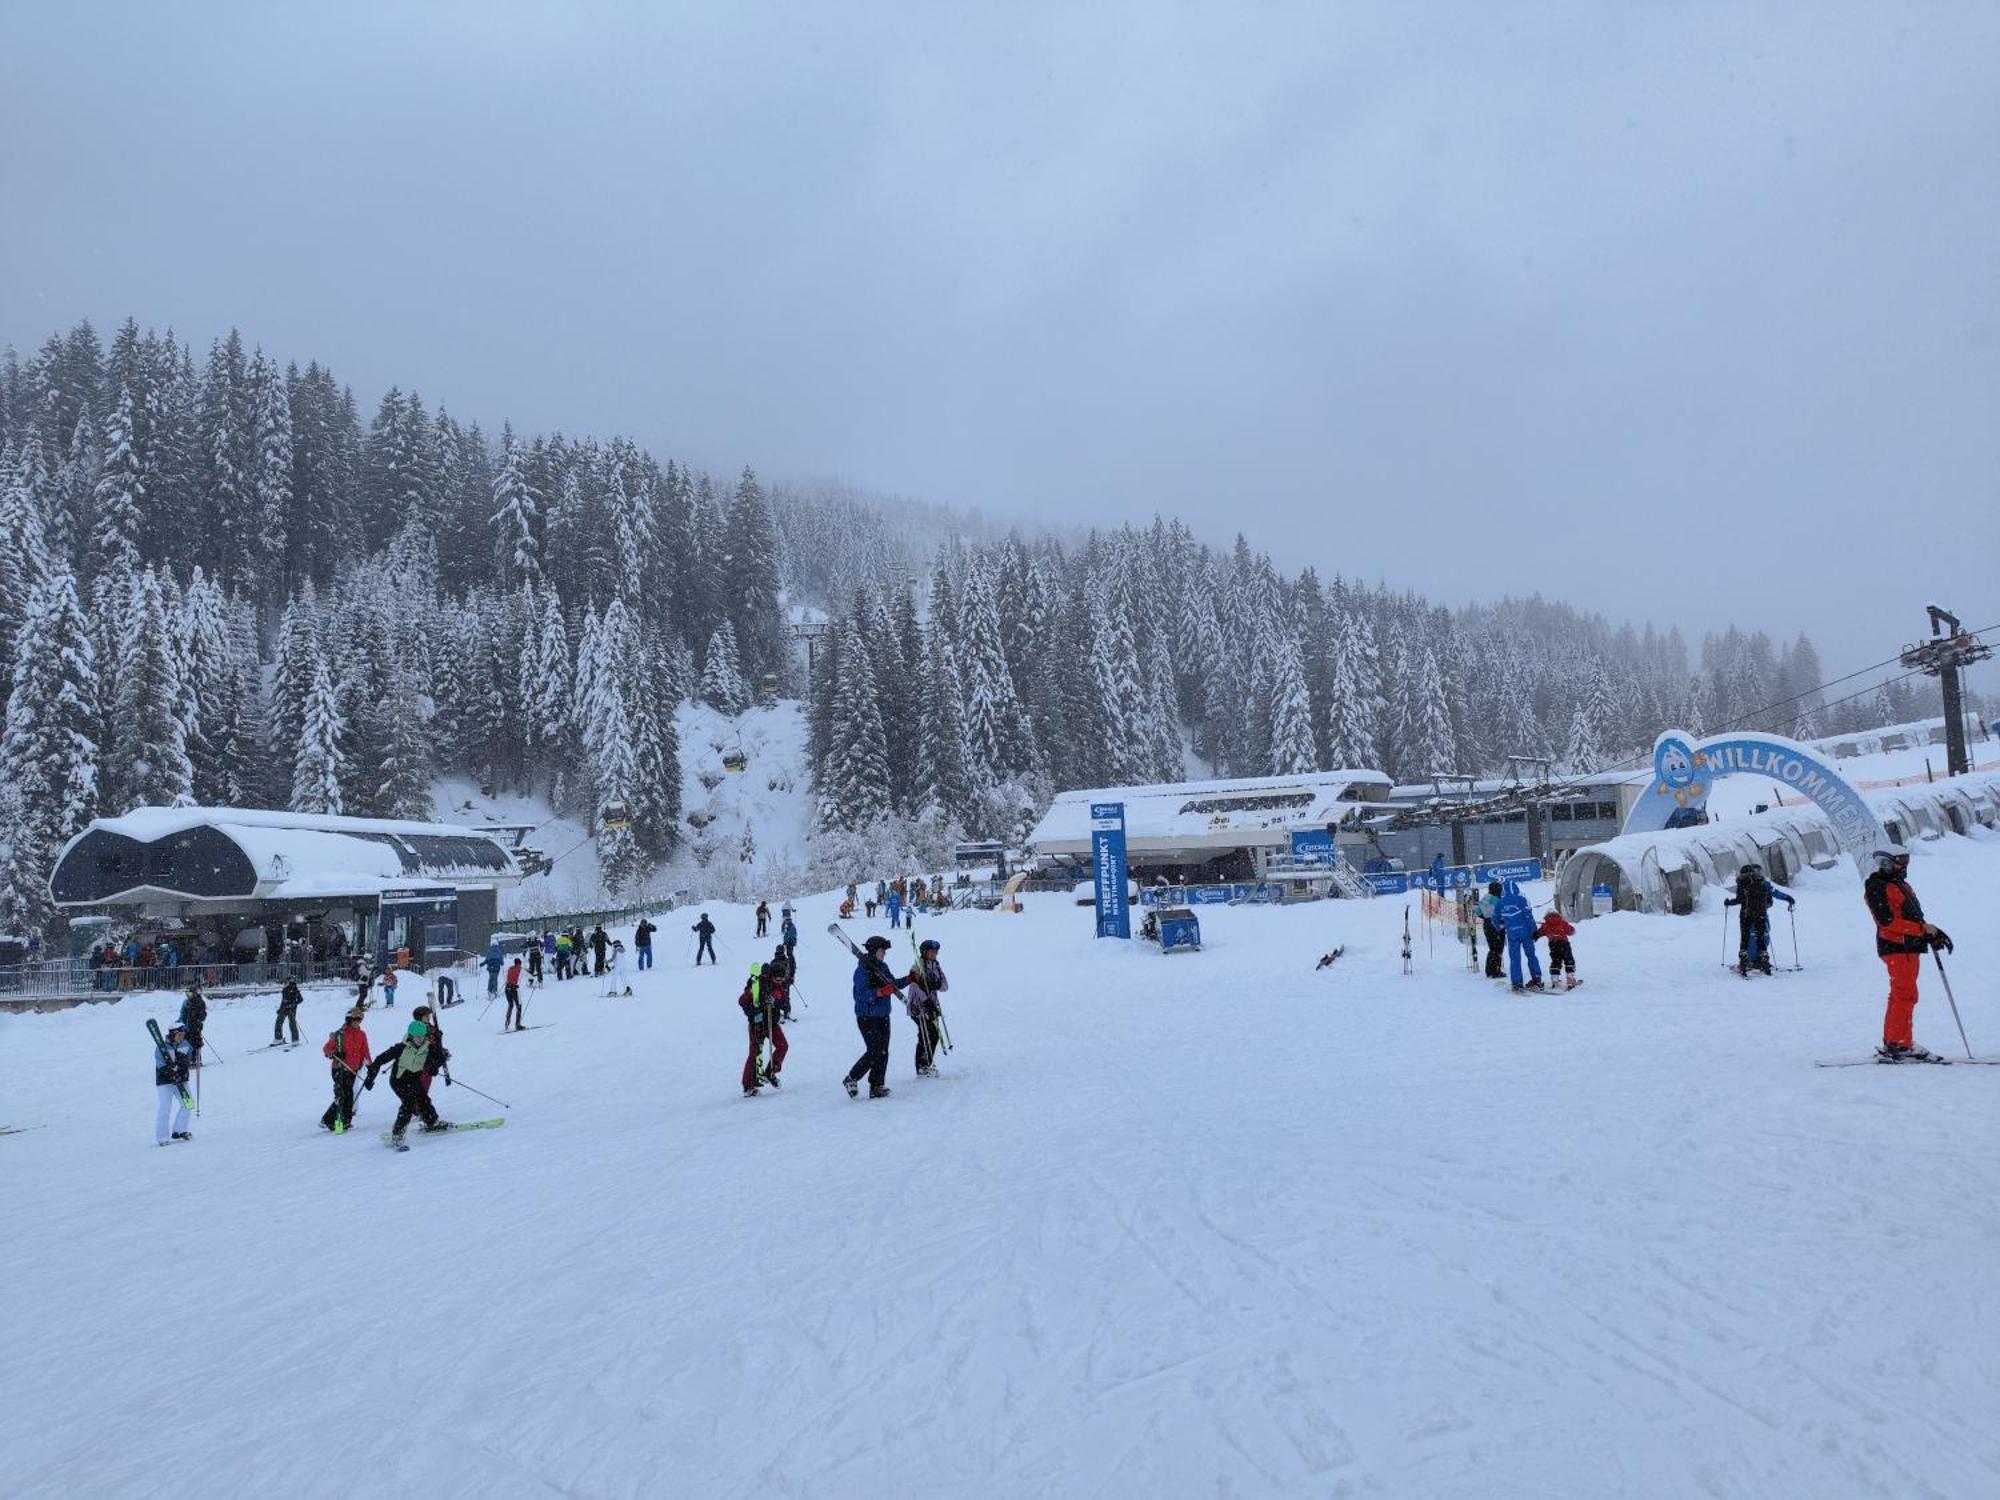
228 584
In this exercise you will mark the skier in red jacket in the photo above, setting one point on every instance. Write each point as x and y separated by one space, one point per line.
349 1051
1558 929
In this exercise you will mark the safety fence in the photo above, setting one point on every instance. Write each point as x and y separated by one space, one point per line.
74 979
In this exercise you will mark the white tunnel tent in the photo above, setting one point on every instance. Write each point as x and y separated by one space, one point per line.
1664 871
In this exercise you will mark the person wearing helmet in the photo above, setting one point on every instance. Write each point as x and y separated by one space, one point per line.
1489 920
406 1062
1902 937
759 1002
704 931
1754 895
170 1075
874 987
926 983
347 1051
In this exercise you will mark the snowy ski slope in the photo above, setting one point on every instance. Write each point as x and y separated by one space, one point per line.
1212 1224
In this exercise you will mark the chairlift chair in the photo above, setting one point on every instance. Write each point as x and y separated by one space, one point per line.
614 815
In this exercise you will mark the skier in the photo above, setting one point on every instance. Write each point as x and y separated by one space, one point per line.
874 987
170 1076
642 940
495 961
927 982
759 1002
1517 920
389 988
513 1016
535 965
406 1062
763 919
1558 929
1489 918
347 1050
1902 936
289 1000
193 1017
788 933
779 971
705 930
445 991
614 972
1754 895
894 902
439 1060
562 955
600 944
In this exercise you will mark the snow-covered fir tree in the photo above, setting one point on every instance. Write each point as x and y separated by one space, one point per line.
151 733
317 761
48 751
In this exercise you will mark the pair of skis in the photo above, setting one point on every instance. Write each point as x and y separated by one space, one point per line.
160 1041
390 1138
944 1033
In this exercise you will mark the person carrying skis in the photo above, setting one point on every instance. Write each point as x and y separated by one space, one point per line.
1489 918
759 1003
926 983
600 944
1558 929
874 987
705 930
513 1016
763 919
1517 920
170 1075
439 1060
406 1062
1754 894
642 941
347 1050
495 962
1902 937
193 1017
289 1000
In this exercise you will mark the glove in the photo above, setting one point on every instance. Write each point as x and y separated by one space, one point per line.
368 1082
1792 905
1940 939
1729 901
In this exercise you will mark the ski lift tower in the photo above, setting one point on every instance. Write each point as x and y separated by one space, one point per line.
1541 766
1453 799
812 632
1949 649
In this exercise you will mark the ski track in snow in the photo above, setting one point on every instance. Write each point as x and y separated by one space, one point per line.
1211 1224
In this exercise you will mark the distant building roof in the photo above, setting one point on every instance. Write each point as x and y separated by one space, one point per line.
1195 814
233 853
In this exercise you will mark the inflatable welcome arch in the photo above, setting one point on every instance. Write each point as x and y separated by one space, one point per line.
1684 770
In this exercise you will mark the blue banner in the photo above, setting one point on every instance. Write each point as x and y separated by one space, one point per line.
1107 861
1683 771
1511 869
1451 877
1388 883
1312 846
1208 895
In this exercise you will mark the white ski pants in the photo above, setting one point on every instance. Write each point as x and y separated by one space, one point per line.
172 1114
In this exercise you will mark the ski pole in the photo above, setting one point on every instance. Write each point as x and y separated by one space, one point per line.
1793 913
1935 957
1725 937
482 1093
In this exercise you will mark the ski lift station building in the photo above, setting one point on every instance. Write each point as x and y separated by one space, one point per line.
1196 832
429 887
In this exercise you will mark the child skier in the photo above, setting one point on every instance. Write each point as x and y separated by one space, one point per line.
1558 929
926 983
759 1005
513 1016
347 1050
1754 895
1489 920
170 1076
406 1062
389 987
194 1017
614 972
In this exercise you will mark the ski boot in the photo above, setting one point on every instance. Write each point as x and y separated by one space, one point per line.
1536 985
1896 1052
772 1080
751 1092
853 1088
183 1135
438 1126
881 1093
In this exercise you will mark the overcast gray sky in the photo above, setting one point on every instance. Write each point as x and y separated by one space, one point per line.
1678 311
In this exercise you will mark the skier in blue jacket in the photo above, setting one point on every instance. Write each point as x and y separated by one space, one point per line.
1517 919
495 962
875 987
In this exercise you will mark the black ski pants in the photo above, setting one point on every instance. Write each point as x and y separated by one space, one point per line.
286 1013
1561 957
342 1108
513 1007
600 960
926 1036
409 1088
875 1060
1496 939
708 947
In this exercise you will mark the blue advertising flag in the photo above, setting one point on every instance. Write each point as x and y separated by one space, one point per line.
1107 862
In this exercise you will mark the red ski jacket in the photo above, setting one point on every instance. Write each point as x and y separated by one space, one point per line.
353 1049
1555 925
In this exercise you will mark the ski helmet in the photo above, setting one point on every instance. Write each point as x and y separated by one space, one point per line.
1889 852
877 943
928 945
177 1026
354 1015
1753 868
418 1031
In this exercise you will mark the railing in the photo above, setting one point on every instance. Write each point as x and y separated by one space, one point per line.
65 978
1348 883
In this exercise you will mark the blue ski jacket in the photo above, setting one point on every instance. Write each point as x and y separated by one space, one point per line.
1517 913
874 989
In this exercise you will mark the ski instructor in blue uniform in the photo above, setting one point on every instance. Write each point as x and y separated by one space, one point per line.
874 989
1517 919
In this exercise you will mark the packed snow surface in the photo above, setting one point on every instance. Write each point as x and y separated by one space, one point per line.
1208 1224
